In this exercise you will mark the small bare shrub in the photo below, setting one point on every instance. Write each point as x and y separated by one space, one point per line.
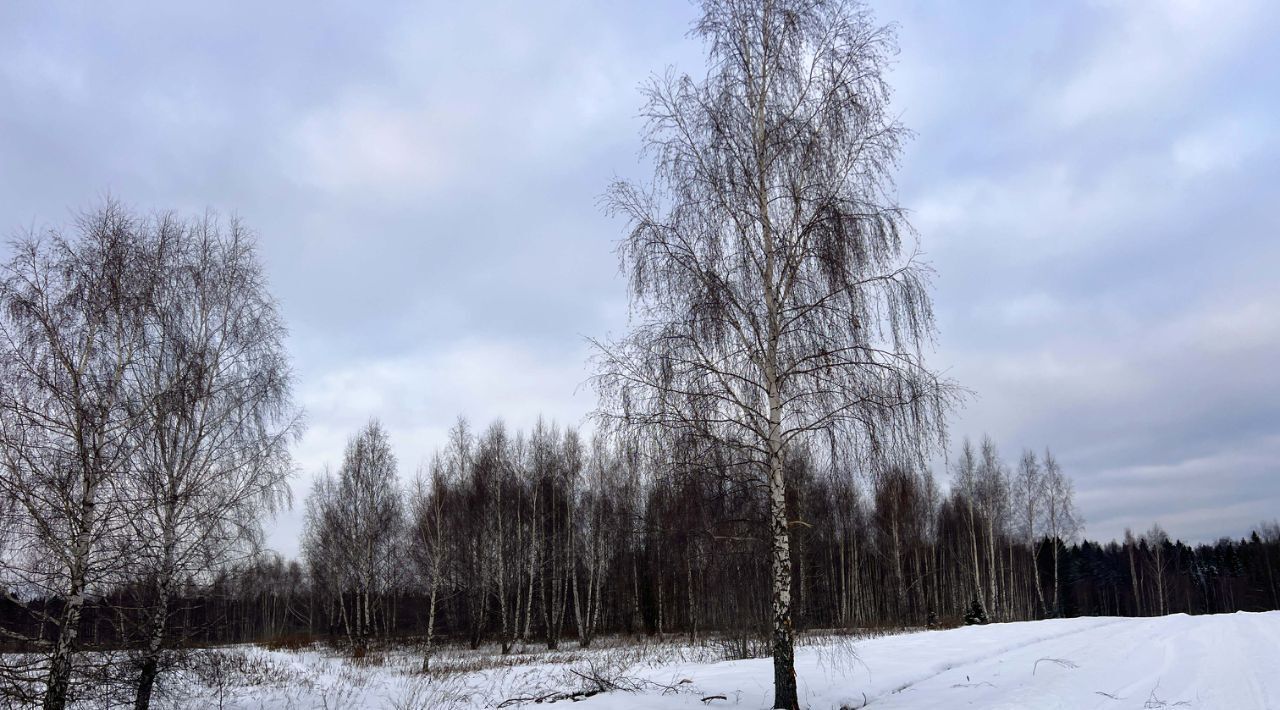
290 642
741 646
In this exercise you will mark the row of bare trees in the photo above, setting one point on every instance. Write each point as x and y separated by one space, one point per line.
509 532
515 538
145 419
270 599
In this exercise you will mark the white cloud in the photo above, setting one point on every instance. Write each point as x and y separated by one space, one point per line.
418 395
365 145
421 393
1029 309
33 68
1238 323
1151 51
476 94
1040 211
1190 496
1222 145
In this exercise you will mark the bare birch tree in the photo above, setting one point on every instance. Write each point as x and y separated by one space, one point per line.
73 314
496 485
353 529
966 481
1131 549
1158 562
595 538
1028 500
993 497
1269 537
1062 521
211 390
427 544
772 295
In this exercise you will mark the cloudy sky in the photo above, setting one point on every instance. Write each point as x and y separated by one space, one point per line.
1096 183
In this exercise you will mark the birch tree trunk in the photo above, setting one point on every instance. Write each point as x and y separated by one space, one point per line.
784 671
159 619
58 681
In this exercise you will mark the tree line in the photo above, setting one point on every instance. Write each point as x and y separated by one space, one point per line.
547 537
514 538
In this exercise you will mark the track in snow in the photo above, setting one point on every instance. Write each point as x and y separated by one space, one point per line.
1226 662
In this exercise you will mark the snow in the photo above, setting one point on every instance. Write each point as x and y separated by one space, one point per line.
1230 662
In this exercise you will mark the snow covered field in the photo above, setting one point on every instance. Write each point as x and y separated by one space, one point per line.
1231 662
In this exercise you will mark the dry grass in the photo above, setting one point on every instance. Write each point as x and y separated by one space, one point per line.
290 642
302 672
